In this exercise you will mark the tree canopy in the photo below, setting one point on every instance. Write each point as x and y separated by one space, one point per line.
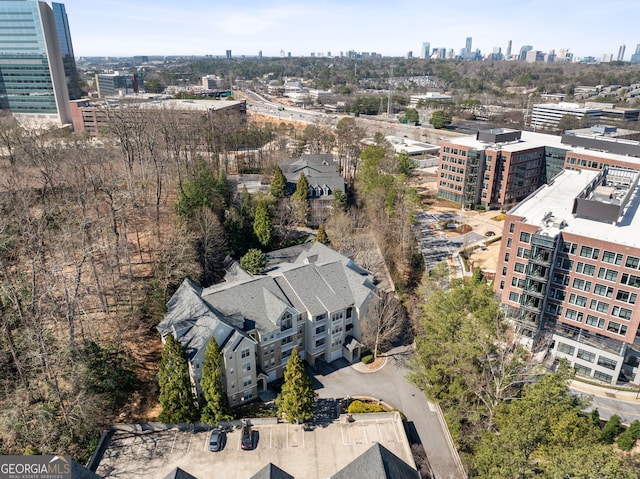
297 399
215 407
440 119
176 398
262 226
253 261
278 183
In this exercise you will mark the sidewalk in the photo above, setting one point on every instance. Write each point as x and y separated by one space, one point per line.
604 391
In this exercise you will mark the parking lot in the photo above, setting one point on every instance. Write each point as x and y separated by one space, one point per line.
310 453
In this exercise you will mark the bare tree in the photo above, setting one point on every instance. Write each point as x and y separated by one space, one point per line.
385 323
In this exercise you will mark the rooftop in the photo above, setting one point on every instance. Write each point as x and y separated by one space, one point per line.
527 140
581 202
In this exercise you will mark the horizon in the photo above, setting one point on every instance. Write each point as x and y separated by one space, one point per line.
392 29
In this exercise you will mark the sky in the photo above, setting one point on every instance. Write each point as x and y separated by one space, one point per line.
392 27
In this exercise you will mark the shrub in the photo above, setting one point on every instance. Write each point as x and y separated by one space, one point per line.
359 407
626 441
367 359
611 429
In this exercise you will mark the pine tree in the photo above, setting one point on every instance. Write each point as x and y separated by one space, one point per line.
302 187
297 399
278 184
176 398
478 277
262 226
253 261
321 235
300 200
215 407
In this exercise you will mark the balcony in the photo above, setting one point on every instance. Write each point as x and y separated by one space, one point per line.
539 273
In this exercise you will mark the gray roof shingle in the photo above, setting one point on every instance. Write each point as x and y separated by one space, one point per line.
377 462
271 471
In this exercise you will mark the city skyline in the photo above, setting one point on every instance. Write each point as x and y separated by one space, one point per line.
119 28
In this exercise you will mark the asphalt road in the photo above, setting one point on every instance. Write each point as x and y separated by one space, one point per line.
390 385
628 410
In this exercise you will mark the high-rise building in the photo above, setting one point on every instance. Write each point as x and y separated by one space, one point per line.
38 74
228 53
468 44
635 58
523 52
568 275
621 52
118 84
509 49
426 50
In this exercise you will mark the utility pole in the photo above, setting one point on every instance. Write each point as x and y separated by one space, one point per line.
389 99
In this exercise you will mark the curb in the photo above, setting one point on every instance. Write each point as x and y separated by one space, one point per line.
363 369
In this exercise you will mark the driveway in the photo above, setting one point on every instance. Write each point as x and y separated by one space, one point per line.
340 380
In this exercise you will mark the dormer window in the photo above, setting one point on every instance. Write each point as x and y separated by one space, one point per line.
286 322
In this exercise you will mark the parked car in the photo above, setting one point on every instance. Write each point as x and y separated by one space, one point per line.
490 233
247 438
216 440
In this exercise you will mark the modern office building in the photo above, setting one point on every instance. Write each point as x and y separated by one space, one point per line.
548 115
498 168
523 52
635 58
426 50
568 271
119 84
37 67
621 50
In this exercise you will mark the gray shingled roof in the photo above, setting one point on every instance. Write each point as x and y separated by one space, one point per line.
81 472
271 471
178 473
320 170
377 462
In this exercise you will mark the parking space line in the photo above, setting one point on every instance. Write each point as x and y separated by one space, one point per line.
342 428
395 429
189 445
380 431
270 437
174 440
364 431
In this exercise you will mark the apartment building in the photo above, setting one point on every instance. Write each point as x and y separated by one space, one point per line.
548 115
568 271
314 304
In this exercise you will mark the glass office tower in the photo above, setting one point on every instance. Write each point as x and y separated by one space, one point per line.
37 67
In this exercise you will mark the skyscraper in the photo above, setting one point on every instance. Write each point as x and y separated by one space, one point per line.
37 67
468 44
509 49
426 50
621 52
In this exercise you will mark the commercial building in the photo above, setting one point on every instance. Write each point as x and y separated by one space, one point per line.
119 84
314 304
38 74
498 168
548 115
93 117
568 272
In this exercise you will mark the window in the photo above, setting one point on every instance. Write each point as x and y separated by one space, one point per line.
603 377
512 227
286 322
525 237
287 340
582 370
566 349
622 313
336 316
626 296
586 355
321 329
574 315
321 317
349 312
582 285
589 252
577 300
586 269
617 328
515 297
273 361
508 242
246 367
233 385
607 274
506 257
247 395
602 290
631 280
504 271
599 306
501 284
286 354
266 363
517 282
562 279
569 248
595 321
632 262
246 381
611 258
564 263
320 342
245 353
607 363
519 267
265 351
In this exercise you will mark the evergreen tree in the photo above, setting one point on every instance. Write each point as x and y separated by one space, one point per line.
321 235
278 184
253 261
262 226
297 399
300 200
215 407
176 398
339 200
478 277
